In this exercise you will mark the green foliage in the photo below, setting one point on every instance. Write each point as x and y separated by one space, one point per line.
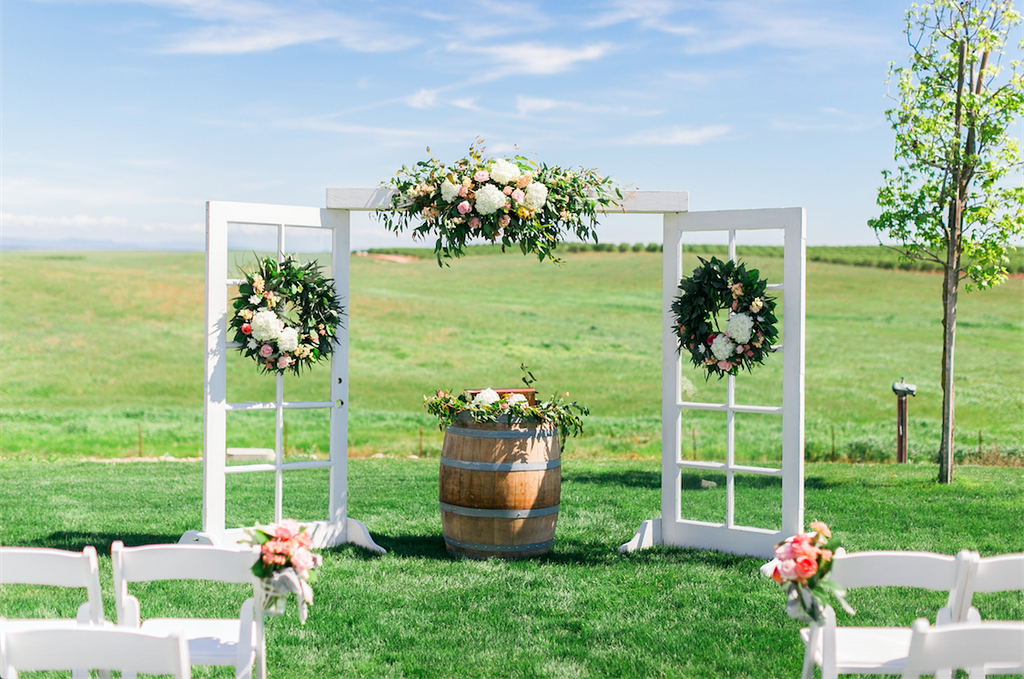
718 285
301 300
556 411
952 189
582 611
516 202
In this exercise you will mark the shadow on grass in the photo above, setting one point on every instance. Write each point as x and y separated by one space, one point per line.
76 541
633 478
565 553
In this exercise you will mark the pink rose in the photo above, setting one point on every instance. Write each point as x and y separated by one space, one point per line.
464 207
784 552
481 176
474 223
463 192
518 195
787 570
750 353
507 190
740 349
246 328
724 365
805 566
820 528
266 350
286 530
302 559
283 362
504 220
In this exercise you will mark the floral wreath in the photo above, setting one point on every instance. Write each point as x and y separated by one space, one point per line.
750 331
286 315
515 201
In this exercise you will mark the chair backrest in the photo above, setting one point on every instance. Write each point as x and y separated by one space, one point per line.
57 567
1003 573
963 645
101 648
179 562
897 569
183 562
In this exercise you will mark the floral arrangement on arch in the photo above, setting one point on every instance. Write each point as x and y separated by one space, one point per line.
490 406
801 565
285 565
750 330
514 201
286 315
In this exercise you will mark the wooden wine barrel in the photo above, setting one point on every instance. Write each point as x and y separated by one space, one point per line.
500 486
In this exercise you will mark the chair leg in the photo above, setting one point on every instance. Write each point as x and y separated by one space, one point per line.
812 645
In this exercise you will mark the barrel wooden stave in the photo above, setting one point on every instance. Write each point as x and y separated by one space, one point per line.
468 489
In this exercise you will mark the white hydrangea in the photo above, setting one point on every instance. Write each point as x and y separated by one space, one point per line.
516 398
288 340
504 172
740 328
722 347
266 326
449 191
486 398
536 195
489 199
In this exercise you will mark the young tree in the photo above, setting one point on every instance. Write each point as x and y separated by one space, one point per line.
953 198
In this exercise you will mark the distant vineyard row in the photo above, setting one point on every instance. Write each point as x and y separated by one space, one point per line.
850 255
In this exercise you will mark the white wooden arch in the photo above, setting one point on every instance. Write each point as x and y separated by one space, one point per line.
338 527
670 528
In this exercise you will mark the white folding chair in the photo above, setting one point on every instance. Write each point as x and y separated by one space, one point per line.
1003 573
878 650
101 648
962 646
53 567
211 641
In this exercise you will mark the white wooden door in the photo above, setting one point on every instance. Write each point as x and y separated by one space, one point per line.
337 528
672 527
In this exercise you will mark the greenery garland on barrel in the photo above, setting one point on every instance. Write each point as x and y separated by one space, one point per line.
490 406
514 201
750 330
286 315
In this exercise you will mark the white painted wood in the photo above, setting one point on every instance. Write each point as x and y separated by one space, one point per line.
100 648
636 202
727 536
335 529
250 454
215 362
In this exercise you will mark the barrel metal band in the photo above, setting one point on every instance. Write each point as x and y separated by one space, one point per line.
503 434
501 466
499 513
498 548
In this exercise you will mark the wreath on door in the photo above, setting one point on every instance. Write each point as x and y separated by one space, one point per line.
750 331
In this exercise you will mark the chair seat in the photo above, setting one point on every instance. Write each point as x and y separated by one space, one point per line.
211 641
867 650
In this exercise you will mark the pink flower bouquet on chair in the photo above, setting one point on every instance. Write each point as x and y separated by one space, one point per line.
801 565
285 565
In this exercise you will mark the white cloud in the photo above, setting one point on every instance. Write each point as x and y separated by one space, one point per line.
535 58
676 136
527 105
422 99
244 26
651 14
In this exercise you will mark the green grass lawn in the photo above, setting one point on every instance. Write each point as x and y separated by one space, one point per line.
102 356
582 611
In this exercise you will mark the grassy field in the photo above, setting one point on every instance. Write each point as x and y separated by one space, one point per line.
102 356
582 611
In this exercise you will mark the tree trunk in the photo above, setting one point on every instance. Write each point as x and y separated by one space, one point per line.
950 291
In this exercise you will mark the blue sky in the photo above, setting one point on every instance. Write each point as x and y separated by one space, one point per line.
120 119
